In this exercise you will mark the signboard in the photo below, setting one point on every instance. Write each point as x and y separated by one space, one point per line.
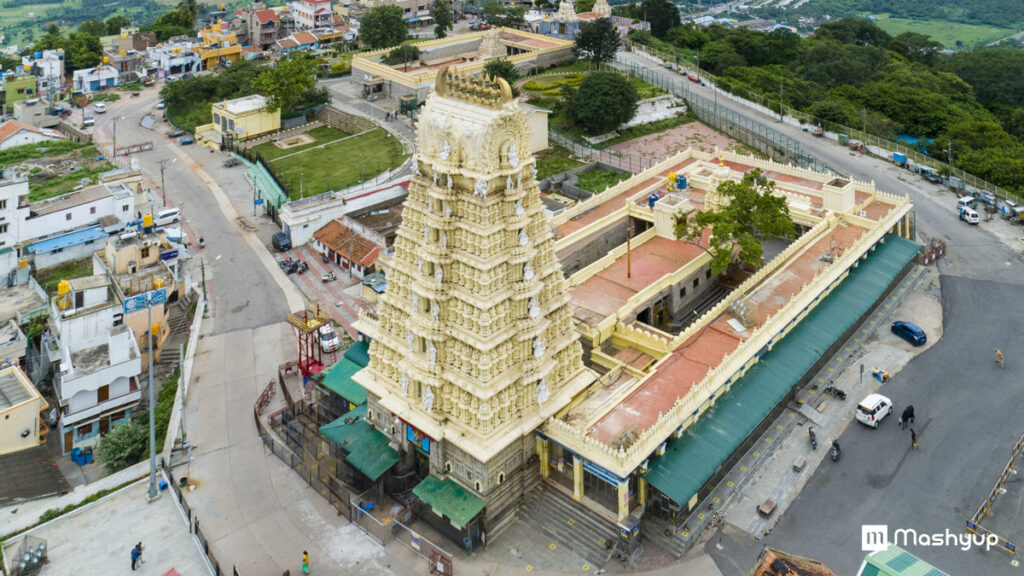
258 201
417 438
414 540
169 255
140 301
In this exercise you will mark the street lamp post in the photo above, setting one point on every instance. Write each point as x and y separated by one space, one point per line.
163 164
114 153
153 493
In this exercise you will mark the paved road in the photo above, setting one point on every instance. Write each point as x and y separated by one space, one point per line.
967 409
245 289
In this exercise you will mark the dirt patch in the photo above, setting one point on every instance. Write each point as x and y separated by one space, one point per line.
293 141
662 145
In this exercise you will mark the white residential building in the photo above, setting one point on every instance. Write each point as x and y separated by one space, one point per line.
176 58
94 79
48 67
15 133
97 384
312 13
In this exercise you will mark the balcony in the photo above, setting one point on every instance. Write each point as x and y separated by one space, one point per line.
132 397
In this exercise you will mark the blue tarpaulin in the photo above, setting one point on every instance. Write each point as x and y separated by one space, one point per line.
67 241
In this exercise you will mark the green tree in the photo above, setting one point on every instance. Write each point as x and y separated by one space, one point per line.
688 36
662 14
584 6
442 18
179 18
403 54
719 56
603 102
854 31
165 31
123 446
93 28
502 68
917 47
285 83
597 40
115 23
51 40
192 8
504 16
382 27
82 51
752 211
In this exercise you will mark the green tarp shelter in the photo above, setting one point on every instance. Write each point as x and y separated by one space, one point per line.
367 448
359 353
338 379
448 498
895 561
694 458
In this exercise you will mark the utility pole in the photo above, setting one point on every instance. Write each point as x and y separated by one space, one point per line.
949 157
153 494
781 113
114 154
864 120
163 164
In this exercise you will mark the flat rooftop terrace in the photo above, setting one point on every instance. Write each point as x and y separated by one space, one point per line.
690 362
604 293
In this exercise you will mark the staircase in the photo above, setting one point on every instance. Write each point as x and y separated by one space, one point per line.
661 534
570 524
170 354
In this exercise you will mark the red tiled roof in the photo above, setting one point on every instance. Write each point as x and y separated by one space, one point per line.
303 38
12 127
341 239
286 43
774 562
265 16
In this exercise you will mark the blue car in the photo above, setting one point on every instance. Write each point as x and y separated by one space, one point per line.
910 332
186 140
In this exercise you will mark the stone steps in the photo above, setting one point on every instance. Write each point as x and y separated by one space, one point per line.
653 530
570 524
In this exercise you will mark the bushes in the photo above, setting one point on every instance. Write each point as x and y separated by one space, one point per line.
402 54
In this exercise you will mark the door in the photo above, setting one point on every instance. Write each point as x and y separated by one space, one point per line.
104 425
69 438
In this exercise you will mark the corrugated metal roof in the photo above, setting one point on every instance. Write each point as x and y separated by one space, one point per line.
450 499
67 240
359 353
694 458
895 561
368 450
339 380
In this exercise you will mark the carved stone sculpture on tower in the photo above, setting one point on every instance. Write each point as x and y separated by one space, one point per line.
601 8
491 46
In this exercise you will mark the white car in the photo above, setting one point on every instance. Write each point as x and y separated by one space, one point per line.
329 341
873 408
100 108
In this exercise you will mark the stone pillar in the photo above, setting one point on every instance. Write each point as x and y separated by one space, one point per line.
623 500
542 453
641 487
577 478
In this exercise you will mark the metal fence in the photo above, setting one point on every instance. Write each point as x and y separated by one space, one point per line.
384 531
877 145
193 521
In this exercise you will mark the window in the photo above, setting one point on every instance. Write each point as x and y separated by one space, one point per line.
448 467
3 204
682 292
120 415
708 273
118 319
3 228
124 208
145 251
501 477
696 282
103 394
92 210
67 216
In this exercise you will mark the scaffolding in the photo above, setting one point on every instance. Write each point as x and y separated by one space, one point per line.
307 324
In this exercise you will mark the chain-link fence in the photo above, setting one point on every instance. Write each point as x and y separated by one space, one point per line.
876 145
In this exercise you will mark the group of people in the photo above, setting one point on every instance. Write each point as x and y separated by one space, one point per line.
137 556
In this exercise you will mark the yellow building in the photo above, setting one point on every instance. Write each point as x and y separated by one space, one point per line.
242 119
220 46
20 404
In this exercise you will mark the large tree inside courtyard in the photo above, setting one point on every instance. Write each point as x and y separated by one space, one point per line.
442 18
603 102
751 212
597 40
287 82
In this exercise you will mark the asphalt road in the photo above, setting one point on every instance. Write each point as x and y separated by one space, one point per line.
243 294
968 410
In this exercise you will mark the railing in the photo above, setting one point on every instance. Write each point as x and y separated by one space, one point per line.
875 144
193 521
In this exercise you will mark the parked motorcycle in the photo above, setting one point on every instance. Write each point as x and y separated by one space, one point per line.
814 439
325 278
835 450
324 258
835 392
301 267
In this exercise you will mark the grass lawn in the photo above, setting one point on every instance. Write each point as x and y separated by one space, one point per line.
50 277
597 181
645 90
67 182
335 166
321 135
554 160
947 33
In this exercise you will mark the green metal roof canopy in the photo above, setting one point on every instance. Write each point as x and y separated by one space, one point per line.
691 460
359 353
895 561
338 379
368 449
450 499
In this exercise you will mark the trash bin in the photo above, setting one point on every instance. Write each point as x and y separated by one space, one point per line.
87 455
76 456
162 485
183 482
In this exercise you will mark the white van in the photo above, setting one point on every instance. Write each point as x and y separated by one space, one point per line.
969 215
165 217
872 409
329 341
100 108
966 202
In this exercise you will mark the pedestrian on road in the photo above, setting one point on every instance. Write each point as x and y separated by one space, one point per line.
305 562
135 557
483 539
999 357
907 418
913 439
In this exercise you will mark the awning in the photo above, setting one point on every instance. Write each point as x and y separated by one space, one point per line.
895 561
451 500
67 241
690 461
368 449
338 379
359 353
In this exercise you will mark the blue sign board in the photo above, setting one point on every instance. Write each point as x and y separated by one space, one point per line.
133 303
169 255
258 201
417 438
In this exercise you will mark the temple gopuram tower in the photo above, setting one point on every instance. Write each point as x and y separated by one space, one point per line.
474 345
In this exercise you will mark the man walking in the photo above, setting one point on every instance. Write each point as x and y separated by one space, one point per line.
305 562
913 439
136 554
